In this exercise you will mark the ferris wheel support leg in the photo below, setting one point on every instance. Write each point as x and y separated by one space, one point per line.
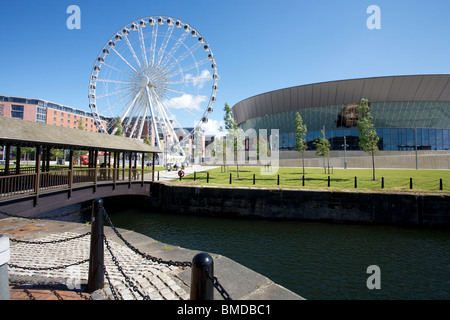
158 143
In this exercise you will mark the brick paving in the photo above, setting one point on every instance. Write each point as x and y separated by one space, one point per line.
152 280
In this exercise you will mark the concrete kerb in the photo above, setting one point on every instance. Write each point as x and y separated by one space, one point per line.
159 282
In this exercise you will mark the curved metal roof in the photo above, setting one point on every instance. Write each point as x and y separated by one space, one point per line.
378 89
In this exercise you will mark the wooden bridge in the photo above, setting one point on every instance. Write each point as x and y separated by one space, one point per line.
31 190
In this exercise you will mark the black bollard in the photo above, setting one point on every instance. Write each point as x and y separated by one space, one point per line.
329 181
96 262
382 182
253 178
356 182
440 184
303 180
410 183
202 287
207 177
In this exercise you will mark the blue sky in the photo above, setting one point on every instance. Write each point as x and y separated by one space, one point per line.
259 45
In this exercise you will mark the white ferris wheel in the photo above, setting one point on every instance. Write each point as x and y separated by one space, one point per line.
157 75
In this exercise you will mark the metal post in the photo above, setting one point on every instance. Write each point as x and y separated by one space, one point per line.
201 277
4 258
382 182
356 182
329 181
303 180
410 183
278 180
440 184
207 177
96 262
230 178
253 178
345 152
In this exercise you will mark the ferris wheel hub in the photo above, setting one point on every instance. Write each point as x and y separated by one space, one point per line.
143 81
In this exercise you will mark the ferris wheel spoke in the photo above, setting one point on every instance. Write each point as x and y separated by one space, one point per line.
166 119
128 118
112 93
125 60
115 81
194 65
153 43
153 117
189 51
130 47
172 100
142 44
174 48
162 49
121 71
132 102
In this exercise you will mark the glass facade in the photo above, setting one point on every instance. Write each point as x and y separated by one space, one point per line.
400 125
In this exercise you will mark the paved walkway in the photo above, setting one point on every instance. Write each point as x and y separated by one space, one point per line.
170 175
138 277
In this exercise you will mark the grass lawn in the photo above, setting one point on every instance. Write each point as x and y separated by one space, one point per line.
315 178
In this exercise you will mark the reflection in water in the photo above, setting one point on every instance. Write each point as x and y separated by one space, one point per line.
315 260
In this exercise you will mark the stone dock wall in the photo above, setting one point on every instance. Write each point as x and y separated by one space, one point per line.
402 209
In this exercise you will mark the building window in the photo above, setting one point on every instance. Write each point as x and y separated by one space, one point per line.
17 111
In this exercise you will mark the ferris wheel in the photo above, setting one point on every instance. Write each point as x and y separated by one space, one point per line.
156 79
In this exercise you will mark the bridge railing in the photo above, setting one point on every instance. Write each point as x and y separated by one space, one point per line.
18 185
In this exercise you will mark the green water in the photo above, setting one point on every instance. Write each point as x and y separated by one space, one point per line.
315 260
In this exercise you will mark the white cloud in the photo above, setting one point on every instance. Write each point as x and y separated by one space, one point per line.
212 127
199 81
187 101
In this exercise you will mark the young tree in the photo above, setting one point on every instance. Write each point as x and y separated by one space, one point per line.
300 140
234 133
323 148
119 131
368 139
80 125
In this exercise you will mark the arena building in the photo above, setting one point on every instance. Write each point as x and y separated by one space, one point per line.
410 113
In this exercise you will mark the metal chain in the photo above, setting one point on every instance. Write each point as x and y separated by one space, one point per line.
52 241
127 279
219 287
113 291
48 268
144 255
49 217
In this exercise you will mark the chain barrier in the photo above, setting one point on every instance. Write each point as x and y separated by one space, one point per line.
48 217
144 255
219 287
51 241
133 286
48 242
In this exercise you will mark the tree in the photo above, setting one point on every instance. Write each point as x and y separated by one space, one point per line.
234 133
368 139
80 125
119 127
323 148
300 140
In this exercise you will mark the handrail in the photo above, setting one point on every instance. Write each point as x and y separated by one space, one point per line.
16 185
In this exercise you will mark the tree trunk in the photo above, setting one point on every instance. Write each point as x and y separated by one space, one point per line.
303 158
373 164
